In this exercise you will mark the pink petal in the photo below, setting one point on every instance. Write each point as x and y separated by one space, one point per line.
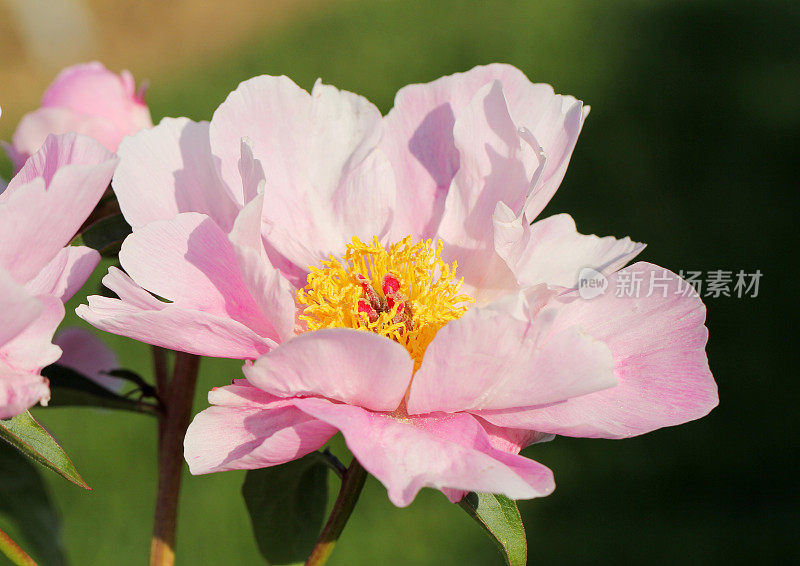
20 391
439 451
19 308
510 440
65 274
249 429
491 359
552 251
176 328
169 169
46 203
339 363
197 268
31 349
496 166
420 143
87 354
658 344
325 181
92 90
34 127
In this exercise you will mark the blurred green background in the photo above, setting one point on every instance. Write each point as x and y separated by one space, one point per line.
691 146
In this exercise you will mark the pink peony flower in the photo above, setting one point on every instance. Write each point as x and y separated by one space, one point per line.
40 211
383 274
87 99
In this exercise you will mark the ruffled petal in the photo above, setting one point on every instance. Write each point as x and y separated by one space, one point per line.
552 251
20 391
420 143
31 349
139 315
491 359
46 203
19 308
169 169
658 345
197 268
248 429
325 181
65 274
439 451
347 365
176 328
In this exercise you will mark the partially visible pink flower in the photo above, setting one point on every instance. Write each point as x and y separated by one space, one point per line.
40 212
87 354
307 232
87 99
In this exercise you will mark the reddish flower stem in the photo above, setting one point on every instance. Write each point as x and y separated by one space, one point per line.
14 553
352 484
174 422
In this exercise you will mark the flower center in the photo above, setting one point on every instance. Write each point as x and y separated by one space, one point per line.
406 293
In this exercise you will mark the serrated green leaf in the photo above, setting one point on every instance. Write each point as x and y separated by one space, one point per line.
25 434
27 509
70 388
499 516
286 504
106 235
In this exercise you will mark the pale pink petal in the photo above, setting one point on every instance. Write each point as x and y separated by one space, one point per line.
325 181
490 359
60 151
658 344
552 251
31 349
176 328
35 126
20 391
510 440
439 451
247 429
19 308
139 315
37 219
87 354
93 90
189 260
496 165
169 169
65 274
420 143
339 363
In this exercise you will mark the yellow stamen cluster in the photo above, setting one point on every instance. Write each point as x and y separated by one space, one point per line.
427 284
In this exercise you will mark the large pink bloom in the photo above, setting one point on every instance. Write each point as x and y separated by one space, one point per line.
229 215
88 99
40 212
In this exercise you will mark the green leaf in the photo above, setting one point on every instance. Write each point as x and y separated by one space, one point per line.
29 437
499 516
106 235
70 388
26 507
286 504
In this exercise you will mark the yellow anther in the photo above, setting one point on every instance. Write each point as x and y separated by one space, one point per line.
428 287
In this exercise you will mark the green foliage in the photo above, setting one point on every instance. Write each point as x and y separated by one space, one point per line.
26 505
31 439
70 388
287 506
106 235
499 516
